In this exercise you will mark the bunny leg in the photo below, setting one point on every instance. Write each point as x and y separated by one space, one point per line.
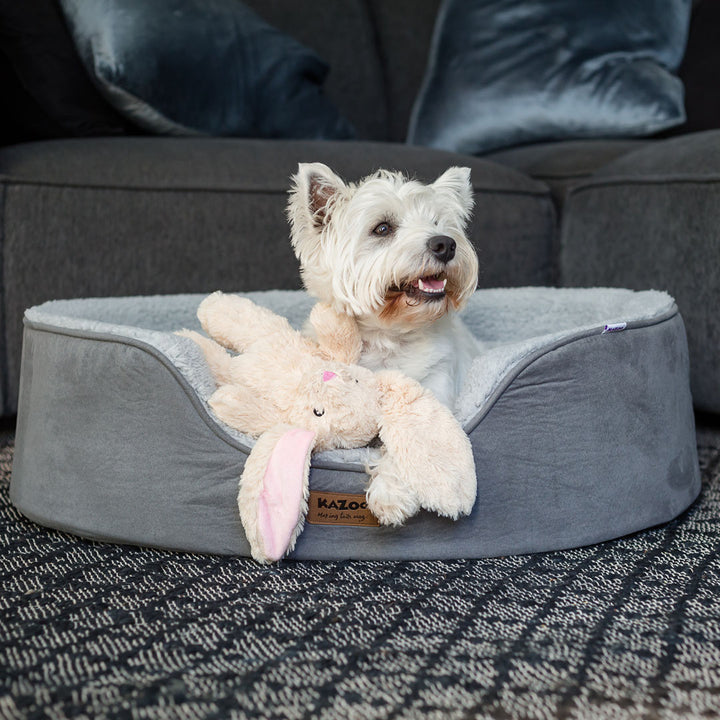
217 357
237 322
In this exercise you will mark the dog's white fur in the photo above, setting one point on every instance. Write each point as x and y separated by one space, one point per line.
362 248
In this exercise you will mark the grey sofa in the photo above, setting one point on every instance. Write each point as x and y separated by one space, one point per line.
135 214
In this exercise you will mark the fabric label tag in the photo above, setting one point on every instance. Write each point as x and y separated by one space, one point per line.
615 327
329 508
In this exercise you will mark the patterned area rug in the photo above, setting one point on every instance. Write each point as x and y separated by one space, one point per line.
626 629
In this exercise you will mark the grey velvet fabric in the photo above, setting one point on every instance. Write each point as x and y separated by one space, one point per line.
130 482
592 439
650 220
203 67
345 35
509 72
160 215
376 50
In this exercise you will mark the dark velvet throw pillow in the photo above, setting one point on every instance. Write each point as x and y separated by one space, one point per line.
203 67
509 72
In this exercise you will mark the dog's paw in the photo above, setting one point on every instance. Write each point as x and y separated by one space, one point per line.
390 502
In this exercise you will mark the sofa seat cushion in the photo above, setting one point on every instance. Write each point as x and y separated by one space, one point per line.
129 216
650 219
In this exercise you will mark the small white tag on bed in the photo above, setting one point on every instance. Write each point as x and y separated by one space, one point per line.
614 327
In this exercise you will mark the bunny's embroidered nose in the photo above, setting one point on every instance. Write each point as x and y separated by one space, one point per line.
327 375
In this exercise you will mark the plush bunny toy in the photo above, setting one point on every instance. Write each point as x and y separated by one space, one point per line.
296 396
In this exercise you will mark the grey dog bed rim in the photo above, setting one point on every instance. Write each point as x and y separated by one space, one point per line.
216 428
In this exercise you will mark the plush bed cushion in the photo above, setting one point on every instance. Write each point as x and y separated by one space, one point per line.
578 410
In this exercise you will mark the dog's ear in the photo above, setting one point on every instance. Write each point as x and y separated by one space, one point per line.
455 181
314 186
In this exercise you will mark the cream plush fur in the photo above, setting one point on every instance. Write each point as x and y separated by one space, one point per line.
297 395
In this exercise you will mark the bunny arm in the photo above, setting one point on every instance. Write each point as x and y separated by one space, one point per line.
273 493
337 334
427 460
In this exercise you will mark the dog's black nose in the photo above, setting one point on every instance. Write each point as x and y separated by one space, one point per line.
442 247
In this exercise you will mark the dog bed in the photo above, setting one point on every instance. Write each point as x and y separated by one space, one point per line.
578 410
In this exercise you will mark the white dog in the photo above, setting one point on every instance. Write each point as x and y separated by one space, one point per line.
392 253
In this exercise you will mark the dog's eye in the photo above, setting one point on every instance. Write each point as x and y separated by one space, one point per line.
318 413
383 229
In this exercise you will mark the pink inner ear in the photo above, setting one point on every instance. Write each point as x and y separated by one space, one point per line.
282 494
327 375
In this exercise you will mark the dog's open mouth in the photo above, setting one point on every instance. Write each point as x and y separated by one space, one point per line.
430 287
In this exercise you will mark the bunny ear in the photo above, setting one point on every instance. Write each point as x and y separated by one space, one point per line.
274 491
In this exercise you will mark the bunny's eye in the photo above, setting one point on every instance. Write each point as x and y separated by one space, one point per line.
318 413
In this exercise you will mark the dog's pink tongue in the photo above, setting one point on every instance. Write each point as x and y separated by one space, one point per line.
430 283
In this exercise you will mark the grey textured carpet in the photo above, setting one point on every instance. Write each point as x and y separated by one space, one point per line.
626 629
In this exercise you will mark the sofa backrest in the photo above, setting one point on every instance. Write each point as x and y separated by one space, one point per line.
377 51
